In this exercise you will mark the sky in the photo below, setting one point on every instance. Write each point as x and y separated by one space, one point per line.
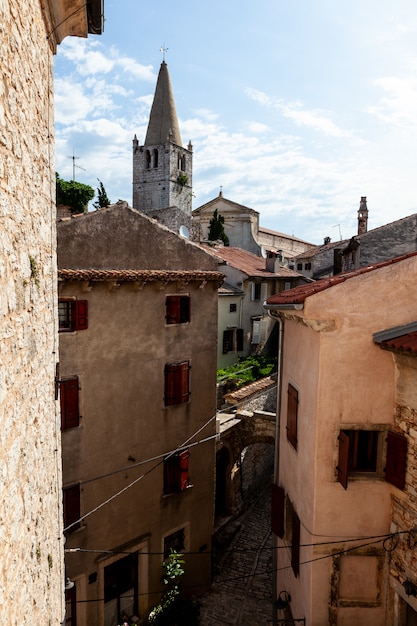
295 109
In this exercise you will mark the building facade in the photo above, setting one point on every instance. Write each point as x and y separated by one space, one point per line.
31 562
340 482
138 308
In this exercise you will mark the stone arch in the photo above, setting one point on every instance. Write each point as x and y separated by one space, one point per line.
155 157
147 159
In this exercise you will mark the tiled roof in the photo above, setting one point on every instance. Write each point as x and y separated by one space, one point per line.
250 264
228 290
401 339
245 393
139 275
298 295
276 233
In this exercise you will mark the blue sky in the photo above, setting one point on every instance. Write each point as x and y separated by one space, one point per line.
296 109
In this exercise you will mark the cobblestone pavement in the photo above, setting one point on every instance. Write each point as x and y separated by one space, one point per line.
242 591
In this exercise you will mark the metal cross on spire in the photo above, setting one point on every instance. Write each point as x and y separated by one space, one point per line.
163 50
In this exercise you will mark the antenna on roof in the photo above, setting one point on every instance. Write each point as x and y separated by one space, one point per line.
340 232
74 165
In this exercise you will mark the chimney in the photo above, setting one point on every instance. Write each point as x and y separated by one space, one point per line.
327 240
362 217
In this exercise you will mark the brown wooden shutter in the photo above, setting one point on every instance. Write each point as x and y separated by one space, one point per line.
71 501
396 459
81 314
343 463
295 544
277 510
70 415
292 416
173 309
184 462
177 383
239 339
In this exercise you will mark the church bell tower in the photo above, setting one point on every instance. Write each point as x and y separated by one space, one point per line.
162 167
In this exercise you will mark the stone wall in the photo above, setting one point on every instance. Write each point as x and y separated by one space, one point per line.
31 561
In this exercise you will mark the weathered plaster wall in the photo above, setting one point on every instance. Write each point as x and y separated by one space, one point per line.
31 561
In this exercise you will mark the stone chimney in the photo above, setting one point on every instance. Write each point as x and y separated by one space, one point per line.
363 217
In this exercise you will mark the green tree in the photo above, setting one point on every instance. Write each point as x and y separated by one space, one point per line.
102 197
72 194
216 229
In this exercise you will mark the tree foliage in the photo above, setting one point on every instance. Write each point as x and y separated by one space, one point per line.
216 229
102 197
174 609
247 371
73 194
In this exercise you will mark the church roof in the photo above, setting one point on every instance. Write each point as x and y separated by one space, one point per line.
163 121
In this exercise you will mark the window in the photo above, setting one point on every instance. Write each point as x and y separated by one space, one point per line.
360 452
71 606
72 315
176 477
256 291
174 541
177 383
232 340
120 589
70 415
71 502
177 309
155 158
256 331
299 266
233 307
292 415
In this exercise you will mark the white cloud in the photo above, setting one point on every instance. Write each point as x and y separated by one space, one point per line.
318 120
398 106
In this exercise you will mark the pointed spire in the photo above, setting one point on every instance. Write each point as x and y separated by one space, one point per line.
163 123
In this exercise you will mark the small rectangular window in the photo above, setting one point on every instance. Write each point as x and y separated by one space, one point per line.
358 454
256 291
233 307
299 267
307 266
69 396
176 476
292 416
174 541
178 309
72 315
71 502
177 383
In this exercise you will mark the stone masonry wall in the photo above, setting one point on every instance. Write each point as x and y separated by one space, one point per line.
31 560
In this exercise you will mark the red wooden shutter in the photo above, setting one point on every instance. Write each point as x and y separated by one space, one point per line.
396 459
70 415
295 544
81 315
277 510
292 415
71 502
239 339
177 383
184 461
173 309
343 463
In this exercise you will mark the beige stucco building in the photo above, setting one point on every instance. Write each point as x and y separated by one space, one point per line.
340 489
31 563
138 307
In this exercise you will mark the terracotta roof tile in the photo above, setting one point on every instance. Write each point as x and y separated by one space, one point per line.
298 295
249 263
139 275
404 343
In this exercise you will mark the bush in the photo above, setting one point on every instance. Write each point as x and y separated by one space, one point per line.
246 371
72 194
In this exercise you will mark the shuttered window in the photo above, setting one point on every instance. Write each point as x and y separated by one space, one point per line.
177 383
396 459
70 414
178 309
72 315
292 415
71 502
228 345
176 475
295 544
256 332
277 510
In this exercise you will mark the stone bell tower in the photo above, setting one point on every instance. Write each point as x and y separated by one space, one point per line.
362 217
162 167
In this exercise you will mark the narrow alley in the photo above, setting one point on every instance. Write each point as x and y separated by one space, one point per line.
242 590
